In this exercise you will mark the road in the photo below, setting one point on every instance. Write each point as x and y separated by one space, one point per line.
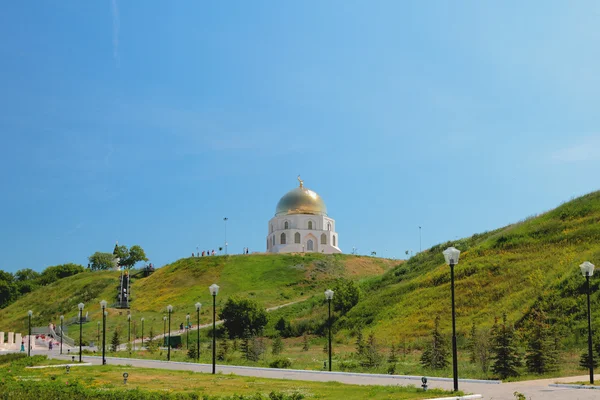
533 390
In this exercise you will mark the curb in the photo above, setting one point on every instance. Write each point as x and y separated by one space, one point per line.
467 397
572 386
60 366
408 377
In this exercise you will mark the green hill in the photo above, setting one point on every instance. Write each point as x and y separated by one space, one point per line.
270 279
527 265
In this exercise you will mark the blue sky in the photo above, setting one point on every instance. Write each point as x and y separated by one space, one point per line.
147 122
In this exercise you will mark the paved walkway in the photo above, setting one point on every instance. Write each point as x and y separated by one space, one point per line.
533 390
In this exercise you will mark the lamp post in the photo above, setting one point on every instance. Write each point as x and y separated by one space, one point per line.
80 306
225 220
187 328
62 320
164 328
214 290
451 255
329 296
29 314
129 331
198 307
587 270
103 304
142 348
169 311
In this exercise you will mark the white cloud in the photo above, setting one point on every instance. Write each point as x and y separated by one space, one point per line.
587 149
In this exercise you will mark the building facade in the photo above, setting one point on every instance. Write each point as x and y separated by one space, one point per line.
301 224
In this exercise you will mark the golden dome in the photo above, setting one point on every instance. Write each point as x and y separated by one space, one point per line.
301 201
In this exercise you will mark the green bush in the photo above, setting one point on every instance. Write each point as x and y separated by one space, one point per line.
281 363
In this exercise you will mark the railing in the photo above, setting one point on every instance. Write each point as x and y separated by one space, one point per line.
46 330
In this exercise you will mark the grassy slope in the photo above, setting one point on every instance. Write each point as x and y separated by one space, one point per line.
270 279
508 270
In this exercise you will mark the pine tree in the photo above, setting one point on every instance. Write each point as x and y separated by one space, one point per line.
114 344
472 344
360 343
305 344
277 345
223 345
393 356
256 349
245 344
325 348
371 355
436 355
542 354
505 357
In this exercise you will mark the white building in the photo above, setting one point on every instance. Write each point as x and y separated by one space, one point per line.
301 224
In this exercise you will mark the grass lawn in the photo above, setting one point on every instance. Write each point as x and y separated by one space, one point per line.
111 377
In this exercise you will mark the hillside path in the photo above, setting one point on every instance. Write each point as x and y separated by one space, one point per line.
533 390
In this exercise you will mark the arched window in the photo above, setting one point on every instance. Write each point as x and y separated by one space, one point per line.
323 238
297 238
309 245
271 228
273 240
310 225
283 238
267 244
334 240
328 226
286 225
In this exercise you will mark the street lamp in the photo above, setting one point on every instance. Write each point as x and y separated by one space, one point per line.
62 319
587 270
187 328
80 306
451 255
103 304
329 296
29 314
214 290
129 331
142 348
169 311
164 328
198 307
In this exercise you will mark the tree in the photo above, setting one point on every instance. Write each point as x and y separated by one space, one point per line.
257 348
192 351
277 345
360 343
346 295
130 257
542 355
284 327
56 272
393 356
223 346
151 343
7 293
114 343
26 274
436 354
305 343
239 314
372 357
505 357
471 343
101 261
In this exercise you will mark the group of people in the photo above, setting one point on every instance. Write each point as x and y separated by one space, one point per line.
245 250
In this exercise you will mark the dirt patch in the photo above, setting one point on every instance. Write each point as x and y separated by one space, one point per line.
367 266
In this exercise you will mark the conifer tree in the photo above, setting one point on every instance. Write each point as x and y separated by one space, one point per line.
360 343
472 344
393 356
542 354
505 357
245 344
372 357
114 344
436 354
223 346
277 345
305 344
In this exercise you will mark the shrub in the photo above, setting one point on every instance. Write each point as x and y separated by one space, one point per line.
281 363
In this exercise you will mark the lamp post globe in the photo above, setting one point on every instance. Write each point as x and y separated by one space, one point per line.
103 305
62 320
329 297
198 307
169 311
451 256
214 290
587 270
29 315
80 307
